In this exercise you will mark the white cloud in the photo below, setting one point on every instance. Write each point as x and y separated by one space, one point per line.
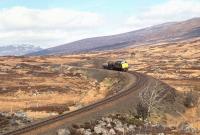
46 27
45 39
51 27
172 10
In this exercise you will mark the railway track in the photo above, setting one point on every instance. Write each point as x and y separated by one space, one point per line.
46 127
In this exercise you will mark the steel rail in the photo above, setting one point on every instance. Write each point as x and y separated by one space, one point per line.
140 80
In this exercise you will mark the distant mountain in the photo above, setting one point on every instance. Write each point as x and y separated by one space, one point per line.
17 50
167 32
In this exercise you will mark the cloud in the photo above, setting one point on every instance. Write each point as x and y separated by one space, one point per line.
172 10
20 24
45 39
54 26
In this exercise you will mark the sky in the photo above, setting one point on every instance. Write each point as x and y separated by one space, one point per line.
48 23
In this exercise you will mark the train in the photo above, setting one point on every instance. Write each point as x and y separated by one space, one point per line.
119 65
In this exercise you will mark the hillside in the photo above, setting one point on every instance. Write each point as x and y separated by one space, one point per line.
167 32
172 63
31 86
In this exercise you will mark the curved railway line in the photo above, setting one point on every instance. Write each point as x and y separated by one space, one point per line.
117 102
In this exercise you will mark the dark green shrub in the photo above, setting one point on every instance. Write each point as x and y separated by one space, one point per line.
191 99
142 111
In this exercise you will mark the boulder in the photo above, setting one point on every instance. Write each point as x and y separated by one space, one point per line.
112 132
186 127
63 132
87 132
99 130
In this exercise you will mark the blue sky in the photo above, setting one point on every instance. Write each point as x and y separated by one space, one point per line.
49 23
114 8
89 5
